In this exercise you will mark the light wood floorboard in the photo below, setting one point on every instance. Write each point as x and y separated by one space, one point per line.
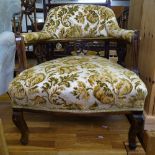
66 135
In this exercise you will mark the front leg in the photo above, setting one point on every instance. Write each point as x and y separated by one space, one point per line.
136 128
20 123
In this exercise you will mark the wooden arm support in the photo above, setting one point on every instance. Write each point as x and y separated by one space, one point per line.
21 54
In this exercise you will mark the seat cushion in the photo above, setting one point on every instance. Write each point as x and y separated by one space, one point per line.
78 84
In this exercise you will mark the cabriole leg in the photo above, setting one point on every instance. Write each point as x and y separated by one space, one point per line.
20 123
136 128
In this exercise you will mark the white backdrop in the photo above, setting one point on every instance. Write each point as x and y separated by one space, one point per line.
7 42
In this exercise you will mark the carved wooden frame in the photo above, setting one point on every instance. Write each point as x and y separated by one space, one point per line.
121 48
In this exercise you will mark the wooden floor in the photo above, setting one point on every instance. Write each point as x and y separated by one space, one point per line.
66 135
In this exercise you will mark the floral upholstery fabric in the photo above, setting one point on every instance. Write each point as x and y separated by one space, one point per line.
78 21
78 84
35 36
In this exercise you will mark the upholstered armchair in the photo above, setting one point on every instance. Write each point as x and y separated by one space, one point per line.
78 84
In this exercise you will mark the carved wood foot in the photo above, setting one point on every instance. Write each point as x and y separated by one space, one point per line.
136 127
20 123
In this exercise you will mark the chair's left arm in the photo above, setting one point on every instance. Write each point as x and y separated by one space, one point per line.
131 36
115 31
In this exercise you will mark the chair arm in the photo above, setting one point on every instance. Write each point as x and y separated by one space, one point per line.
33 37
115 31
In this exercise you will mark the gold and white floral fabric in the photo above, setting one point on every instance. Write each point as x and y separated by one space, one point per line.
79 21
78 84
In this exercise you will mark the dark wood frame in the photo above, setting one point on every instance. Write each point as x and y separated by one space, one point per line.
121 48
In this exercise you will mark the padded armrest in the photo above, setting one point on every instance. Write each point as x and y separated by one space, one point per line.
115 31
33 37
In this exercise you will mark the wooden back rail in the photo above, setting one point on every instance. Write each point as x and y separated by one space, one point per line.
21 52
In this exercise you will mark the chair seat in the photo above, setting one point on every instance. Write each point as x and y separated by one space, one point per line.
78 84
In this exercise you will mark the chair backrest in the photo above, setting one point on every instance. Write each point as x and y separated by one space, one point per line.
79 20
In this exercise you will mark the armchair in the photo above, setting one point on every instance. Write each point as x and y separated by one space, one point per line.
78 84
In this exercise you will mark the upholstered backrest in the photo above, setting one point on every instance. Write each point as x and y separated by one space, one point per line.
79 20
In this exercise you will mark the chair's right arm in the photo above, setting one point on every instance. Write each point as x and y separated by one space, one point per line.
115 31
